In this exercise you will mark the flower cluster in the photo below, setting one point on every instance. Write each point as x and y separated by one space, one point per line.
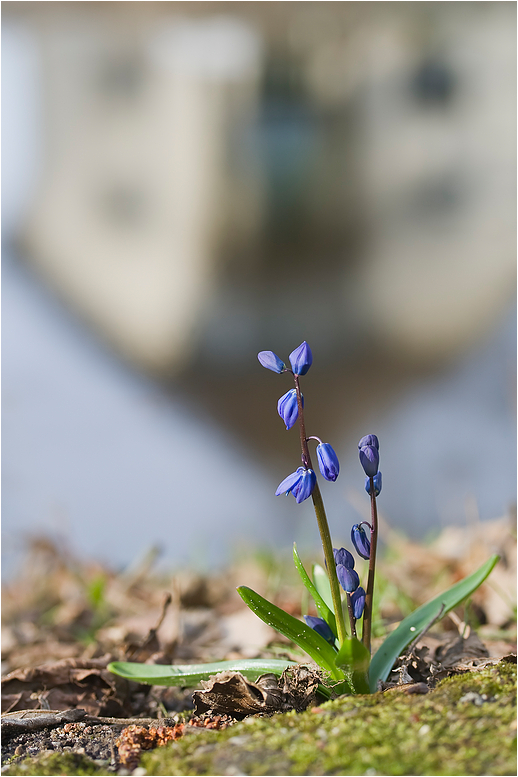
349 580
300 483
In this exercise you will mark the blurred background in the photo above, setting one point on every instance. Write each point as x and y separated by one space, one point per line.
186 184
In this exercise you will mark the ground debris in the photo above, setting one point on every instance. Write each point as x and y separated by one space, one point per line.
134 739
64 684
30 720
232 694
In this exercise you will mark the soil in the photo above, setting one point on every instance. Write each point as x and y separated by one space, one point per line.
65 713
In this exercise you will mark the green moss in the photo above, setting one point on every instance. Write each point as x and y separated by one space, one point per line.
55 764
467 726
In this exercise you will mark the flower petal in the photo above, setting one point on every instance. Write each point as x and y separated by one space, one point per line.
290 482
347 578
369 439
288 408
377 484
342 556
301 359
360 541
271 361
328 461
369 459
321 627
358 602
305 486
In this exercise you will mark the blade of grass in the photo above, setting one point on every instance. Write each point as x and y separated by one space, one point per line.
321 581
190 675
383 660
323 609
312 643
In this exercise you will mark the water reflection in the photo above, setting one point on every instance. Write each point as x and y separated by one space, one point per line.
105 457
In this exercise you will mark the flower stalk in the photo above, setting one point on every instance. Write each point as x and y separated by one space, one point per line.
369 593
352 619
323 525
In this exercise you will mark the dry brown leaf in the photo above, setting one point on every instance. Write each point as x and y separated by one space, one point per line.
65 684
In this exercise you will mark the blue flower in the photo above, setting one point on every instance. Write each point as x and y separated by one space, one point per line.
271 361
358 602
301 359
377 484
347 578
342 556
300 483
328 461
288 408
369 459
321 627
360 541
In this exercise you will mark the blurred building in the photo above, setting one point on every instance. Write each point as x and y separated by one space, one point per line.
201 181
198 159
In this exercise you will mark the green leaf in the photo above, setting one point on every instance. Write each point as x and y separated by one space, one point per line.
312 643
323 609
189 675
410 627
354 658
321 581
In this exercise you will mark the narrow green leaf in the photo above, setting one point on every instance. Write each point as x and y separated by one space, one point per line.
410 627
323 609
354 658
312 643
190 675
321 581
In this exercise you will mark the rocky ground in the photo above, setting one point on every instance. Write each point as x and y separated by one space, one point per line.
65 713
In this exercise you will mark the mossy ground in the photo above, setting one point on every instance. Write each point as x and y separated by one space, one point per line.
392 734
55 764
467 726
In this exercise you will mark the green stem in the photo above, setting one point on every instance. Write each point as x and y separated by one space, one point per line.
327 546
369 594
323 526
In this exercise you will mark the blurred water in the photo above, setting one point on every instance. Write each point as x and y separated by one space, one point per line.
98 454
447 446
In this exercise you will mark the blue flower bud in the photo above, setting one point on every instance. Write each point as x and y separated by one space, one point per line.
301 359
347 578
288 408
377 484
321 627
342 556
271 361
358 602
300 483
369 459
328 461
361 542
369 439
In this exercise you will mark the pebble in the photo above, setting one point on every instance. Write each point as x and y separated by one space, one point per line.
475 698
